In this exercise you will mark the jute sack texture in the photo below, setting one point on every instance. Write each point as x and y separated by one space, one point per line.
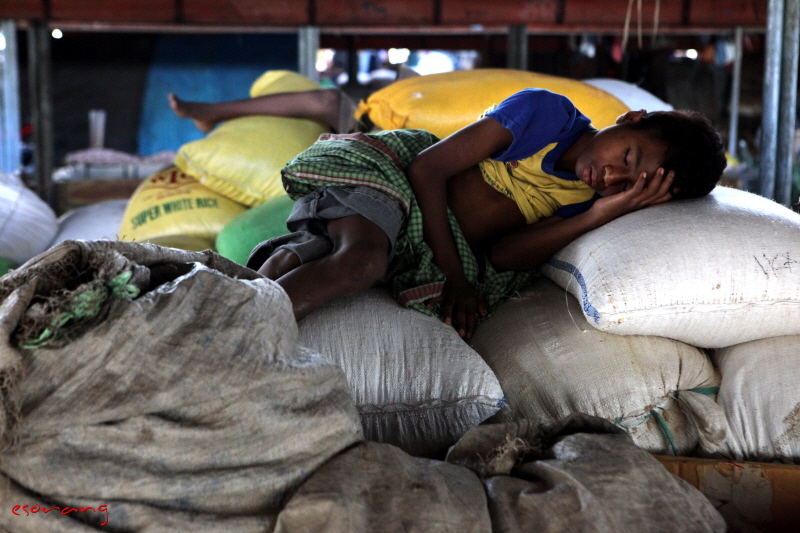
444 103
711 272
582 475
761 399
242 158
170 388
551 364
416 383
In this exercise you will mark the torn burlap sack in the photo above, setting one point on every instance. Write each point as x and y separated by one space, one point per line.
164 389
584 476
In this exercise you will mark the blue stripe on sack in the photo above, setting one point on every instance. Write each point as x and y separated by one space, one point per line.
588 309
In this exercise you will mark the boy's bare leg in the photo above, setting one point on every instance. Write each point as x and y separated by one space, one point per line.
359 259
321 105
279 263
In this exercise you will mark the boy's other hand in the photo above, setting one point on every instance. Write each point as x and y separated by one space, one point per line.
642 194
461 306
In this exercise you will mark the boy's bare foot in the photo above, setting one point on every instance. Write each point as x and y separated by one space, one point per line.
200 113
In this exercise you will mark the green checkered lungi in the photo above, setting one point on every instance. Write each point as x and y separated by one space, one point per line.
379 160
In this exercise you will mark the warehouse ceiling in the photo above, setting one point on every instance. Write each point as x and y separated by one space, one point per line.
418 15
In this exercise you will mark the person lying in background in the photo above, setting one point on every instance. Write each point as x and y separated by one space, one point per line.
457 225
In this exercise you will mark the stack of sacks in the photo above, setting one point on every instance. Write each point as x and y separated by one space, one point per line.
552 363
27 223
633 96
217 178
716 272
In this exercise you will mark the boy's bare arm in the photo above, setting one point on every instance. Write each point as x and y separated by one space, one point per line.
532 245
428 175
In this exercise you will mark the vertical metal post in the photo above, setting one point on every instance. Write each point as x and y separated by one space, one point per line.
733 128
10 146
788 102
517 50
308 44
769 120
40 86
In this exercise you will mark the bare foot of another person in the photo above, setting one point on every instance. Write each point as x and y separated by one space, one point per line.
201 114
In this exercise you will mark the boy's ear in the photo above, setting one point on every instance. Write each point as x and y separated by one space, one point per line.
631 116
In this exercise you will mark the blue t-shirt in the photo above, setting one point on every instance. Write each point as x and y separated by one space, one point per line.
539 118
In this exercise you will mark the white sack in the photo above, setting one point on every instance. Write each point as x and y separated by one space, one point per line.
186 406
711 272
629 94
551 364
761 399
93 222
416 383
27 223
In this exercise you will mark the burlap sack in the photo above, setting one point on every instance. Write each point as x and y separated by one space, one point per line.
552 363
179 404
582 475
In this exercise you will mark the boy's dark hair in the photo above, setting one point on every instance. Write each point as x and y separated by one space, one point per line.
694 150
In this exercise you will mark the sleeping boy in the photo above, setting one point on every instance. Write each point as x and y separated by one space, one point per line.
457 225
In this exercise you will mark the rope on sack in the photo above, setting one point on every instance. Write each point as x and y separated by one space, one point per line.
662 424
74 309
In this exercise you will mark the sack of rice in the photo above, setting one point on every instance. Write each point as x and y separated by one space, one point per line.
93 222
27 223
166 386
551 364
761 399
710 272
416 383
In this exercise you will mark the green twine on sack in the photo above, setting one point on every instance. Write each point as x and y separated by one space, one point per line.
662 424
84 306
706 391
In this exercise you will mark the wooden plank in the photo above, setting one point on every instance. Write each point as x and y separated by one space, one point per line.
375 12
613 12
728 12
470 12
113 10
271 12
22 9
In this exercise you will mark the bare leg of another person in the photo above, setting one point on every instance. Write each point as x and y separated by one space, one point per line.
359 259
321 105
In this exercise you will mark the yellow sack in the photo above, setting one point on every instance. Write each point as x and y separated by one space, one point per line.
172 209
242 158
445 103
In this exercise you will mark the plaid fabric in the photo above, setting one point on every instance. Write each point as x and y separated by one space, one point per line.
379 161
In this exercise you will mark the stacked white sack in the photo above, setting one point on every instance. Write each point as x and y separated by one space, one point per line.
93 222
761 399
27 223
416 383
629 94
710 272
551 364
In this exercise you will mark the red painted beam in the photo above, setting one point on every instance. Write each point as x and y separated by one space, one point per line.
728 13
22 9
613 12
470 12
247 12
113 10
375 12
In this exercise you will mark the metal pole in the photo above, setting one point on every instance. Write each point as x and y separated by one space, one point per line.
733 128
788 102
769 121
10 146
41 109
308 44
517 48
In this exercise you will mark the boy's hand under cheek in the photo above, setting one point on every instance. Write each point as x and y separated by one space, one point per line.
461 306
642 194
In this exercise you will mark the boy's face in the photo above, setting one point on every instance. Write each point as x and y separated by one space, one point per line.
615 157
